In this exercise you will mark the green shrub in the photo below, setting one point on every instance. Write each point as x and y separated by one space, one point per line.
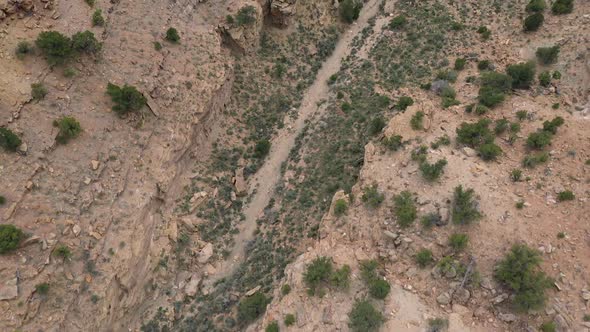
533 22
68 127
70 72
536 6
432 172
458 241
398 22
229 19
97 19
379 289
501 126
521 115
484 32
2 200
429 220
419 154
340 278
42 288
376 125
556 75
127 98
484 65
437 324
555 106
494 87
460 63
562 7
56 47
566 195
317 273
416 122
23 48
404 102
340 207
63 252
172 35
10 237
246 16
475 134
90 2
548 327
447 75
539 139
289 319
286 289
405 209
531 161
519 272
489 151
520 205
423 258
545 78
464 207
551 126
393 143
38 91
272 327
157 46
251 307
516 175
443 140
547 55
372 197
522 74
262 148
448 102
9 140
364 317
350 10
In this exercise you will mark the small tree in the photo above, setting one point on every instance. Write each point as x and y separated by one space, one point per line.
372 197
423 257
489 151
545 78
10 237
56 47
251 307
262 148
562 7
533 22
458 241
405 209
246 16
9 140
475 134
539 139
522 74
63 252
417 121
289 319
126 98
547 55
551 126
97 19
431 172
464 207
23 48
378 287
536 6
340 207
172 35
350 10
519 272
318 272
404 102
398 22
566 195
460 63
38 91
69 128
272 327
364 317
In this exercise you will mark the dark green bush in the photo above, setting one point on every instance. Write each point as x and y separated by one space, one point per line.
157 46
10 237
475 134
56 47
350 10
493 88
547 55
262 148
531 161
437 325
364 317
340 207
551 126
460 63
429 220
489 151
372 197
423 258
379 288
90 2
464 207
251 307
536 6
393 143
340 278
548 327
521 115
42 288
38 91
172 35
522 74
398 22
97 19
519 272
556 75
416 122
289 319
376 125
443 140
272 327
286 289
539 139
68 127
533 22
458 241
246 16
63 252
484 32
405 209
9 140
484 65
23 48
501 126
126 98
562 7
545 78
317 273
432 172
2 200
566 195
516 175
404 102
419 154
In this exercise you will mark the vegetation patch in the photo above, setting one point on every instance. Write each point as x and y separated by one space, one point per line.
10 238
127 98
9 140
405 209
68 128
364 317
464 206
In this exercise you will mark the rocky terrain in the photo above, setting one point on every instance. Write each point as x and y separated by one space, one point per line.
276 137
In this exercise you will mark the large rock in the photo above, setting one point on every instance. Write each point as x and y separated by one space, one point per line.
240 182
245 38
9 289
281 11
192 286
205 253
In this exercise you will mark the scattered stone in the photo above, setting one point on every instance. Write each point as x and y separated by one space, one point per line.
508 318
30 240
500 298
391 235
462 295
469 152
444 298
95 164
205 253
76 230
253 290
586 295
192 286
23 148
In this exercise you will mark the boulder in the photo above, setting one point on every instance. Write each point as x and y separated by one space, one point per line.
9 289
281 11
192 286
205 253
240 183
444 298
